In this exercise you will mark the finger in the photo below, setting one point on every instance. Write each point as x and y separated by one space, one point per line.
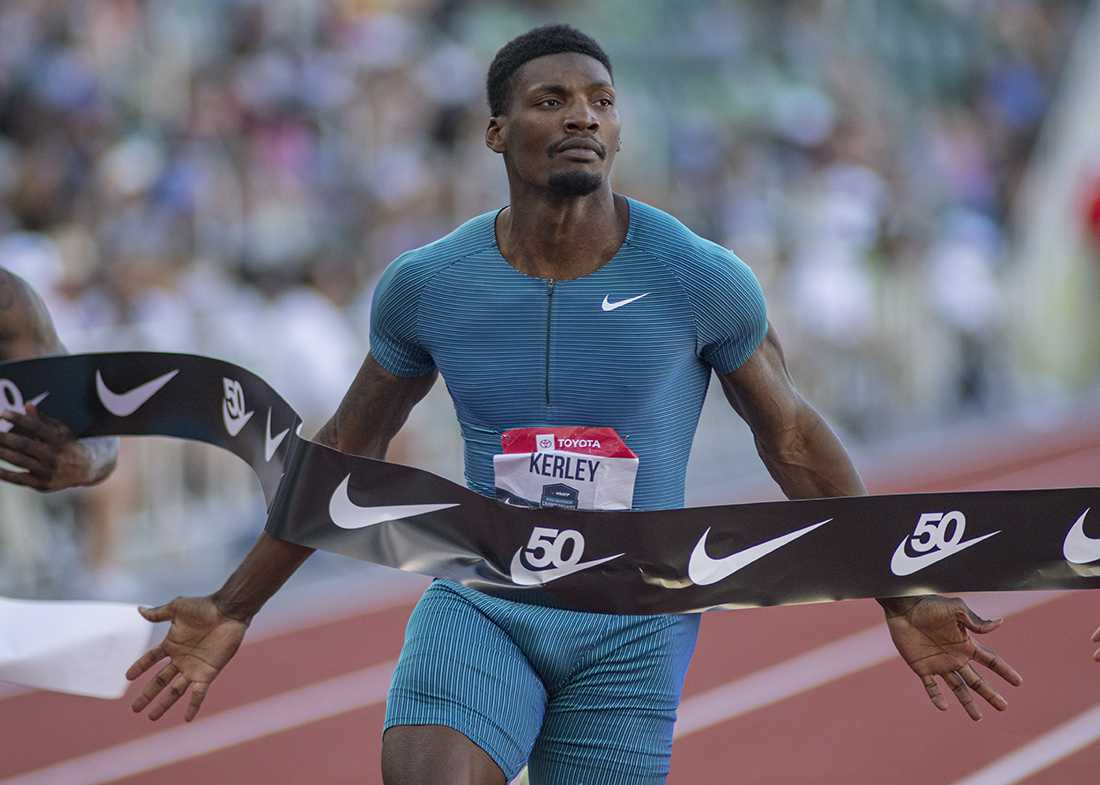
974 622
157 614
155 685
145 662
934 693
26 479
979 685
33 425
176 688
990 659
1096 636
36 449
958 686
22 459
198 695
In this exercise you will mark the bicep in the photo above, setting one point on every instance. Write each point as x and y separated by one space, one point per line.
374 408
762 392
26 329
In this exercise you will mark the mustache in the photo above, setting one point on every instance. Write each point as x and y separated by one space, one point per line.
572 141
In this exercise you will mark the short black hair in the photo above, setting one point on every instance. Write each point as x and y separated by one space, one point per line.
542 41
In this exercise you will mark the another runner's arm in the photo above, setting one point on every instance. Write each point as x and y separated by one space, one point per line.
45 448
370 415
26 329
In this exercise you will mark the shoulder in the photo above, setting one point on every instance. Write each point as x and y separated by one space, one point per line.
405 277
19 304
25 325
701 265
422 263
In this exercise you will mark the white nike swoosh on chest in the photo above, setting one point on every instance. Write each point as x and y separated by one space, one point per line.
703 570
348 515
521 576
610 306
903 564
1079 548
125 404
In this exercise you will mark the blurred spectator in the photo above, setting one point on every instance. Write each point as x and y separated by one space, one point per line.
188 176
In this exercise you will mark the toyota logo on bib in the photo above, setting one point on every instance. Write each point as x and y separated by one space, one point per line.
544 442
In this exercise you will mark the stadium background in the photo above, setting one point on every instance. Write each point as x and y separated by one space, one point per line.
916 184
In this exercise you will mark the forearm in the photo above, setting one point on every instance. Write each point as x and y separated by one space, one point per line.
816 465
364 424
264 570
808 461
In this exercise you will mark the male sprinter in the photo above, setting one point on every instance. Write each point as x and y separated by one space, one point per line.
572 306
51 459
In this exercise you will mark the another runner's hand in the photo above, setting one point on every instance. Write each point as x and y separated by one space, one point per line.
200 642
933 635
52 457
1096 639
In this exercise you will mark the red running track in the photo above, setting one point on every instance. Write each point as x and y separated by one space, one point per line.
810 694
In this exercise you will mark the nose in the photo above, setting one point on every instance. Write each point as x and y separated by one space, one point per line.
581 118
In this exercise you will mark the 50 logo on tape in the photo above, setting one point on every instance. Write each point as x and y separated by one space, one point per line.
11 400
551 554
938 536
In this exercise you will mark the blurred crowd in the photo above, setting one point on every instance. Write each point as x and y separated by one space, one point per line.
229 177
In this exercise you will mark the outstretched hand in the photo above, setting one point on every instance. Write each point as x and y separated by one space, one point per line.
933 635
199 644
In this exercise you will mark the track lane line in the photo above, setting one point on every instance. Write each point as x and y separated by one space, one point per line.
835 660
228 728
1038 754
366 687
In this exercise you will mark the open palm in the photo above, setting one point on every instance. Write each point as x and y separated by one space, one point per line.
199 644
934 638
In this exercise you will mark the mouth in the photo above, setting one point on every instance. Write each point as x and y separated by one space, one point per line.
580 150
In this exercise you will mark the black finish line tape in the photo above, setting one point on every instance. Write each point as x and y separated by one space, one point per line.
666 561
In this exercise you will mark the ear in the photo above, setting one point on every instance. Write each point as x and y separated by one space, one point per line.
495 135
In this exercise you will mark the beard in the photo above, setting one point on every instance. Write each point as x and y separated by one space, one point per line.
574 183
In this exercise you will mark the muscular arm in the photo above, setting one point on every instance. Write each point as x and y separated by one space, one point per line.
801 452
370 415
932 633
798 447
43 446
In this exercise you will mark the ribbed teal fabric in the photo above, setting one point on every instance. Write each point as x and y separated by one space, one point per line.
591 698
587 703
518 351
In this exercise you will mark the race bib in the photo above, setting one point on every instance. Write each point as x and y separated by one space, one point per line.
578 467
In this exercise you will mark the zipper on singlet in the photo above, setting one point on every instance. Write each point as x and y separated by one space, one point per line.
549 314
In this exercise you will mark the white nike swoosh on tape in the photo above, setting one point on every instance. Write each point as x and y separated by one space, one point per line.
903 564
610 306
348 515
125 404
1079 548
271 443
234 424
6 426
703 570
521 576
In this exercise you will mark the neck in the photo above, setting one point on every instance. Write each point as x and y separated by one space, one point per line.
559 237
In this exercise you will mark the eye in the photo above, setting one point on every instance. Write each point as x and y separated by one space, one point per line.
605 102
549 101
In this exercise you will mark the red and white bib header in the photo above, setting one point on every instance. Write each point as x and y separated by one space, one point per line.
580 467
